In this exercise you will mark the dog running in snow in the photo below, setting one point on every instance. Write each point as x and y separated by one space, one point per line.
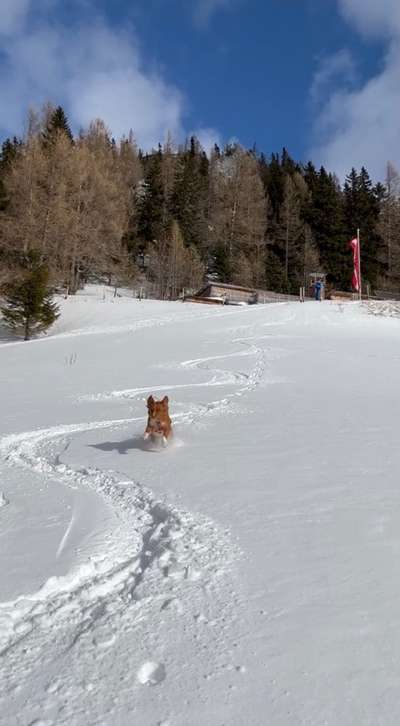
159 425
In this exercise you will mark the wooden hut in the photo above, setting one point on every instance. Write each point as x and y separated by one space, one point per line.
220 293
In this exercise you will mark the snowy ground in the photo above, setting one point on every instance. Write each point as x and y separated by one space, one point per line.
247 575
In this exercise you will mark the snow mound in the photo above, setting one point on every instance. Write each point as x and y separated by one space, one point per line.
151 673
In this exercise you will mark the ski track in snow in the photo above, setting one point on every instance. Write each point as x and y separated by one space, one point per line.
159 557
221 377
65 536
157 550
149 531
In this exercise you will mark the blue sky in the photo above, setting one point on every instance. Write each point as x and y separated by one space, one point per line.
310 75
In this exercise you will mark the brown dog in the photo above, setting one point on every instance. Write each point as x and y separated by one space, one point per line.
158 423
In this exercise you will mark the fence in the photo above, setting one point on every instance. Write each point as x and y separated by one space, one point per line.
149 290
385 295
268 296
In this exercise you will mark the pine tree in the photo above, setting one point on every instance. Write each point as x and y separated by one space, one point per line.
94 203
273 271
362 211
131 174
28 302
57 123
169 163
191 194
287 164
9 150
325 215
273 178
310 256
152 214
3 196
219 264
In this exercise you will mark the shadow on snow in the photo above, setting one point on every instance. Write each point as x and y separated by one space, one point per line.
123 447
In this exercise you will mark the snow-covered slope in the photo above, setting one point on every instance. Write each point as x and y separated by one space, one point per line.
248 574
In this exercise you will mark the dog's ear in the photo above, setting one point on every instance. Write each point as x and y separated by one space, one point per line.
150 402
165 400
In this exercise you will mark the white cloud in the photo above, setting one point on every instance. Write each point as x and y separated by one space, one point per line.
362 126
375 18
12 15
208 137
337 67
204 9
93 71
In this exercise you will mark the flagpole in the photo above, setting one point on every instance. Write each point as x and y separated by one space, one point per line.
359 264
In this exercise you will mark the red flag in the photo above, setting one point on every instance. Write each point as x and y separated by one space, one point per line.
355 280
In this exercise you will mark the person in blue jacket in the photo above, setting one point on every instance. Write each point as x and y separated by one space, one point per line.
318 290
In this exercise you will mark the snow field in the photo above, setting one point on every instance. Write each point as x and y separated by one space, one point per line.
247 574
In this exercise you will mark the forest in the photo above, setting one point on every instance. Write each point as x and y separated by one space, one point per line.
89 205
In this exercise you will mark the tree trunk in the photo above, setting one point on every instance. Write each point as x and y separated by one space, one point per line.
27 327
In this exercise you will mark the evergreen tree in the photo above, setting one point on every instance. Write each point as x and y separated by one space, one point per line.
325 215
3 196
169 163
131 173
28 305
153 215
216 150
57 123
219 264
96 203
191 194
9 151
273 178
288 165
362 211
274 269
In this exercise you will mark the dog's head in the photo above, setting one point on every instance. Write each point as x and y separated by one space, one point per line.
157 409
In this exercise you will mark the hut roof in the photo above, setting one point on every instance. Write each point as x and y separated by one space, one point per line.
225 286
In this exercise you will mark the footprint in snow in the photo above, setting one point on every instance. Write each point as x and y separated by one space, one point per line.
3 500
53 687
104 638
151 673
172 603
